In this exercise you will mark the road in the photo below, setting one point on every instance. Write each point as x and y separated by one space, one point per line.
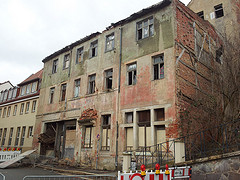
19 173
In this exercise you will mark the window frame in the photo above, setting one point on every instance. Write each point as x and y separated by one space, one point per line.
218 10
133 72
108 78
90 145
18 132
22 108
51 95
93 48
110 42
66 61
106 126
63 92
23 134
30 131
4 136
4 112
15 110
27 107
77 86
10 136
34 104
91 84
79 55
8 111
160 67
140 26
54 66
201 14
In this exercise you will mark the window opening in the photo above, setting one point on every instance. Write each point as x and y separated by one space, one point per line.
66 61
10 137
145 28
106 130
158 67
15 110
93 49
51 96
54 67
23 136
76 88
22 108
4 136
34 106
201 14
27 107
17 136
79 56
219 11
9 111
109 42
108 78
132 74
91 85
63 92
129 117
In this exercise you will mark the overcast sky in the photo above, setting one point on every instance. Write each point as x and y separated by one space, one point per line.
30 30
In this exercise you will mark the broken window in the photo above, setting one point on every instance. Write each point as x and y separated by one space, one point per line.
145 28
129 117
4 136
91 84
54 67
22 108
34 87
15 110
76 88
30 131
108 79
218 11
132 74
9 111
129 138
51 95
88 137
109 42
219 54
17 136
10 137
63 92
23 135
158 67
93 49
34 103
159 114
27 107
4 112
106 132
66 61
79 56
201 14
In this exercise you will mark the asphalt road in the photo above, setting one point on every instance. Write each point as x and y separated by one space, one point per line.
19 173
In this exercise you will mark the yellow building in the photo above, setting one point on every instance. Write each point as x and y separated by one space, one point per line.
18 106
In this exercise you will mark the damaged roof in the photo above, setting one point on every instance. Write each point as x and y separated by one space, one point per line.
132 17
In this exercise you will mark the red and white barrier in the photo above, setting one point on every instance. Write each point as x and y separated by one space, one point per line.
172 173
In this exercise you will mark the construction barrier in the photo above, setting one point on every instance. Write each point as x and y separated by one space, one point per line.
2 177
168 174
8 155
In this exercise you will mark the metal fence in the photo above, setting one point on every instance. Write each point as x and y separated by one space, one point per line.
213 141
85 177
2 177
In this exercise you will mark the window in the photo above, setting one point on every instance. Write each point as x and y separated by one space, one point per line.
145 28
159 114
106 133
5 95
4 136
91 84
10 92
23 90
54 67
108 78
17 136
4 112
34 103
23 136
109 42
76 87
63 92
79 56
51 95
219 54
132 74
30 131
27 107
9 111
88 137
93 49
10 137
34 87
22 108
129 117
1 97
15 110
14 92
158 67
219 11
201 14
28 88
66 61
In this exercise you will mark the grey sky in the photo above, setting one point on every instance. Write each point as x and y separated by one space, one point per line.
31 30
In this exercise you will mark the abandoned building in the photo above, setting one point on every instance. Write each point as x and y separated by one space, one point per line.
18 107
123 89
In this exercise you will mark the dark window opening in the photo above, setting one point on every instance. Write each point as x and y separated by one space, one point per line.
93 49
132 74
158 67
219 11
108 78
145 28
144 118
201 14
91 84
54 67
79 58
159 114
63 92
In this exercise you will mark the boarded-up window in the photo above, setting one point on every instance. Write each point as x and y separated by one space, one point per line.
88 137
144 118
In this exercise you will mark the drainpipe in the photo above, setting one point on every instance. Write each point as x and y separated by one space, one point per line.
118 105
